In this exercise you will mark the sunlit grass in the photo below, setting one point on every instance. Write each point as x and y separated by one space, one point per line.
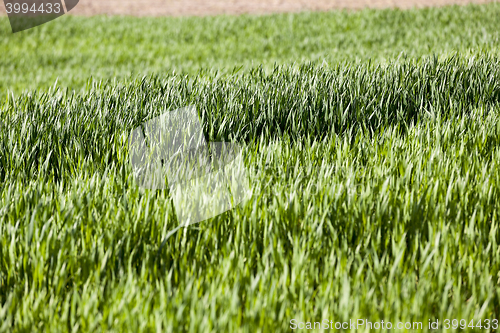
375 196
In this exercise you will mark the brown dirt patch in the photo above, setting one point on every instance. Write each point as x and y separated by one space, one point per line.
214 7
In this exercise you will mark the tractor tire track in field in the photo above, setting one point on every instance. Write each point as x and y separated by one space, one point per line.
214 7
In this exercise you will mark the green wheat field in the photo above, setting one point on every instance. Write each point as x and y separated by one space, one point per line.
372 140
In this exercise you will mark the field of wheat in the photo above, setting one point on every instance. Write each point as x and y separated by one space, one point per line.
373 160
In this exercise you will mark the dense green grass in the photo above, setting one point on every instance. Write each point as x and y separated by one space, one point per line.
375 176
72 49
375 196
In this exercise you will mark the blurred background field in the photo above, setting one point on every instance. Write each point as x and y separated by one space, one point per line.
74 48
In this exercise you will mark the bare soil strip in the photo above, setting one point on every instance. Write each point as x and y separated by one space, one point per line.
235 7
